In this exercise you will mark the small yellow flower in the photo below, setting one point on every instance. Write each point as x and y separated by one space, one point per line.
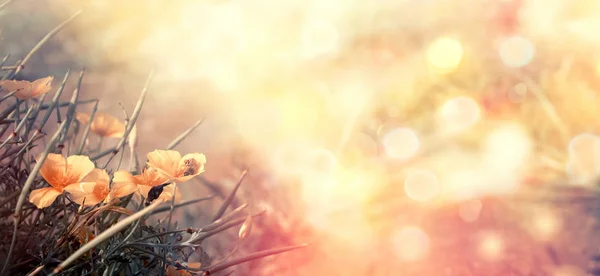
60 173
176 167
27 90
104 125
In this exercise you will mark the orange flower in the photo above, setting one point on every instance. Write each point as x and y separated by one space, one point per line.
94 188
145 181
27 90
85 235
172 271
177 168
60 173
104 125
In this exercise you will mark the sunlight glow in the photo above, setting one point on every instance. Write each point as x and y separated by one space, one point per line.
491 247
319 37
545 225
444 55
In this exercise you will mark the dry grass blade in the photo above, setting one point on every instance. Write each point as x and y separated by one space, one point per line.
36 270
253 256
229 198
180 138
232 223
5 59
105 235
26 188
71 110
5 3
54 102
39 45
193 201
8 95
547 105
226 218
86 132
18 128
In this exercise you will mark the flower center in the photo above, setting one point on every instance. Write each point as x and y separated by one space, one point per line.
191 167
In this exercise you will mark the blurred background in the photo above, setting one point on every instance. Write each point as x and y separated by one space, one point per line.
431 137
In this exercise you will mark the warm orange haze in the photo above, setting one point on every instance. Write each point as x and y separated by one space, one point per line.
404 137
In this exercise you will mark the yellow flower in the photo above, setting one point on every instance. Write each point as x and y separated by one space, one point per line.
104 125
60 173
94 188
27 90
177 168
147 180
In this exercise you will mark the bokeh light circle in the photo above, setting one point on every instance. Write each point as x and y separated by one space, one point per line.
444 55
401 143
421 185
516 51
491 246
459 113
584 158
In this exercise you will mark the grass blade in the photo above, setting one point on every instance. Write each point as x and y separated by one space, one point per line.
39 45
253 256
229 198
182 136
130 124
105 235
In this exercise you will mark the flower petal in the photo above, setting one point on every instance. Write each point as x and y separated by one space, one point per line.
96 175
121 189
23 88
151 177
12 85
78 166
41 86
165 161
43 197
123 176
143 189
189 166
167 194
83 118
53 169
84 190
107 125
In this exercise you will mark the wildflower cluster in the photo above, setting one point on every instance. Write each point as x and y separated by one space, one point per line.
86 214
